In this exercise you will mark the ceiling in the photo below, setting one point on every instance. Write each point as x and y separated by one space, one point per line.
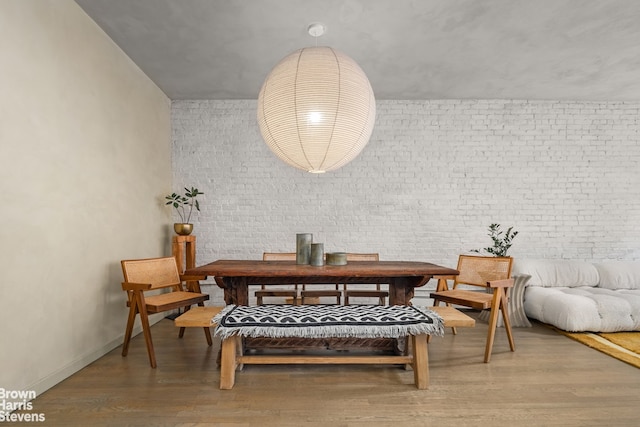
410 49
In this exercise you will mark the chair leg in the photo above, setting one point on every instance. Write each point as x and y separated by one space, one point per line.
493 323
507 321
144 319
133 310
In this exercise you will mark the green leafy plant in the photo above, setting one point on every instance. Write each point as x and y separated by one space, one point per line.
501 241
184 204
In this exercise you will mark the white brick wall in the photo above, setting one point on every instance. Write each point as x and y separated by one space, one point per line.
433 177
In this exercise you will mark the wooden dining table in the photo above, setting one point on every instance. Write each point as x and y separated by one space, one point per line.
235 276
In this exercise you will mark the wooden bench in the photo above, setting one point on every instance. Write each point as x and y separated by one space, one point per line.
198 317
232 356
452 317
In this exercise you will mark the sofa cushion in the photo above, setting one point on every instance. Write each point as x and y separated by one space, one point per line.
557 273
584 308
619 274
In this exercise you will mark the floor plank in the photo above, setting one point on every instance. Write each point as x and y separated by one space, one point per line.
550 380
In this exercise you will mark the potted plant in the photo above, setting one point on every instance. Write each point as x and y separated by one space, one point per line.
501 242
184 206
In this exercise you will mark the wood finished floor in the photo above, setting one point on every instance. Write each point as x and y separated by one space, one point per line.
550 380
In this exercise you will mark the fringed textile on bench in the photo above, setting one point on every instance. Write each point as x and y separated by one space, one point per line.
327 321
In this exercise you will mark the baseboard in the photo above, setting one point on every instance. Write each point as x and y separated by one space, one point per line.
66 371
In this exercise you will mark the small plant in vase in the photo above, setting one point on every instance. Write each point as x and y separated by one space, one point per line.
184 206
501 242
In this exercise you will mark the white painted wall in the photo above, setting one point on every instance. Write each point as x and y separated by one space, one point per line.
435 174
85 160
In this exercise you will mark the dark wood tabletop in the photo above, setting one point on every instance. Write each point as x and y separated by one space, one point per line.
237 268
234 276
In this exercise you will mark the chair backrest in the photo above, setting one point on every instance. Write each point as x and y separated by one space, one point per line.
279 256
291 256
362 257
478 270
159 272
352 256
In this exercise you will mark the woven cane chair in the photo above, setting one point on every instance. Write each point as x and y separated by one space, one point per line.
492 274
305 295
382 295
349 293
269 291
152 274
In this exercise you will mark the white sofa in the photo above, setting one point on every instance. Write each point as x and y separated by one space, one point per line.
580 296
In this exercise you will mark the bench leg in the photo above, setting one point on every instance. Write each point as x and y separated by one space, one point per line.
420 361
239 352
207 334
408 350
228 363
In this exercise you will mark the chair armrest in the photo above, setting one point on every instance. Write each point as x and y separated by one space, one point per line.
131 286
505 283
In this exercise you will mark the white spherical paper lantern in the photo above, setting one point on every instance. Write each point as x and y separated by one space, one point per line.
316 109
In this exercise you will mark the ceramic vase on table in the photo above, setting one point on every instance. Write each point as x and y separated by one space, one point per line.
303 247
316 257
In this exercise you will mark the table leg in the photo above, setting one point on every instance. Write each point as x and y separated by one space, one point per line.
401 289
236 290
